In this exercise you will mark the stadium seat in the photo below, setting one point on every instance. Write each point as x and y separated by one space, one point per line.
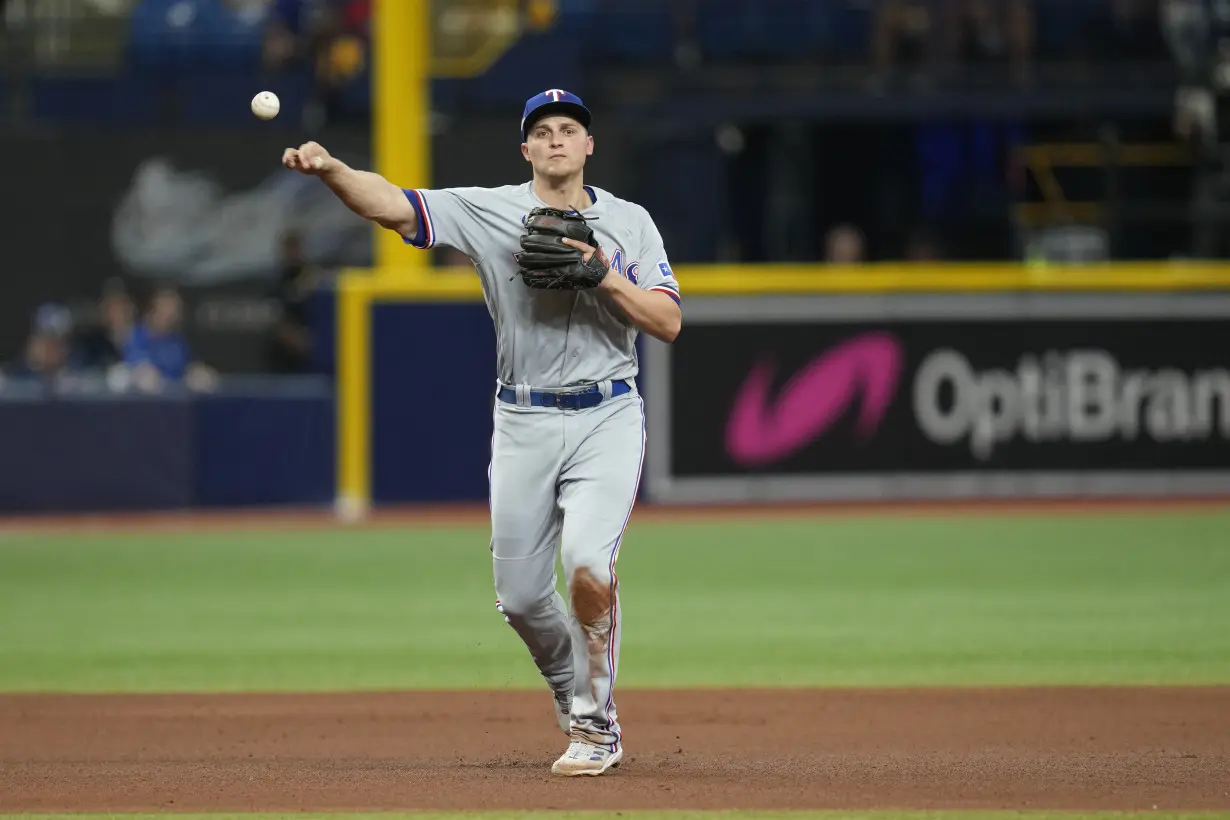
1058 26
522 71
164 34
848 29
766 30
723 29
228 37
644 32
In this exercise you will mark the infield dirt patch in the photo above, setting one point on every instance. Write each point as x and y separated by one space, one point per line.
1125 748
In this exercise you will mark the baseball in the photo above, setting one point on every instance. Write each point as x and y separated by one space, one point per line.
266 105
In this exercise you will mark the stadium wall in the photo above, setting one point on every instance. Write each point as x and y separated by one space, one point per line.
248 444
805 397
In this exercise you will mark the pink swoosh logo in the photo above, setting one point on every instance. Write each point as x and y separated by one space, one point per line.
759 431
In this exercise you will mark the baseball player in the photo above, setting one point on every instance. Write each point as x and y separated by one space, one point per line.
570 274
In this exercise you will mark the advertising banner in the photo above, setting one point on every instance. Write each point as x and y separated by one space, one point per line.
923 396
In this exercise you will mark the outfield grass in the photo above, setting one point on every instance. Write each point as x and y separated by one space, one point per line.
1114 598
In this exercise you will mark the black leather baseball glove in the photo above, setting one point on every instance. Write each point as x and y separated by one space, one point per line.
546 263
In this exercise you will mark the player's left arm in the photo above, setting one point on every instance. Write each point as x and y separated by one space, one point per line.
646 290
653 311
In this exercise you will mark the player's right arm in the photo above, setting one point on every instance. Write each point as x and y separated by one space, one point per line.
368 194
463 218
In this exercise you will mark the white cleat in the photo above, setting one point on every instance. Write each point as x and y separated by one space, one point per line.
585 758
563 713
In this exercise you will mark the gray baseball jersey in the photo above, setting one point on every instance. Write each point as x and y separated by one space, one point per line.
547 339
559 476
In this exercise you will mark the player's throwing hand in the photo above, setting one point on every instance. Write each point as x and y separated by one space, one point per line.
310 158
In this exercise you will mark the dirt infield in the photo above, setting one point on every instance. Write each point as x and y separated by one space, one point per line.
1127 748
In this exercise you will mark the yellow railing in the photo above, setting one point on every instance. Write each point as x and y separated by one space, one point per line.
1044 160
461 284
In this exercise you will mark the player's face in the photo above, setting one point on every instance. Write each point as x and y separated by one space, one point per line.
165 312
557 146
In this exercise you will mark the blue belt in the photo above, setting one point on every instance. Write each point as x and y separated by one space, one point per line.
567 399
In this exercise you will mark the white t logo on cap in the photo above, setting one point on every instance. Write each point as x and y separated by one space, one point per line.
555 93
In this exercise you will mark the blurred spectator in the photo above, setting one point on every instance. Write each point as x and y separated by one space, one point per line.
1199 41
287 39
539 15
994 32
923 246
329 37
915 34
290 346
1191 36
349 35
1125 30
47 353
688 54
156 351
845 245
905 32
100 345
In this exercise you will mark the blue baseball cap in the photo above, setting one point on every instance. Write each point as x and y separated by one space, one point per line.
53 319
553 101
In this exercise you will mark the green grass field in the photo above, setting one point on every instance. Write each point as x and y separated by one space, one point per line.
1117 598
1114 598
